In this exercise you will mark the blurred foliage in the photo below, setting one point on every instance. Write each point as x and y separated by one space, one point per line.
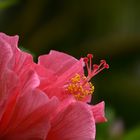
108 29
133 135
7 3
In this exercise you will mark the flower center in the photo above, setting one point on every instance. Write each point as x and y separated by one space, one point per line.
79 85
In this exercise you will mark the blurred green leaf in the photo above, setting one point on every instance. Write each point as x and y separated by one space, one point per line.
134 134
7 3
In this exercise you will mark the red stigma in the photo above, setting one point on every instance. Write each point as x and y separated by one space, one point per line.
90 55
86 60
107 66
94 69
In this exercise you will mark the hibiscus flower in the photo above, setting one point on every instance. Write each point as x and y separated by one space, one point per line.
46 101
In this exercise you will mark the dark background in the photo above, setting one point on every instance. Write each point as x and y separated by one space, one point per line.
108 29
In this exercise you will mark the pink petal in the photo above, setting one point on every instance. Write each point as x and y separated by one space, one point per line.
30 117
20 61
16 89
46 76
61 63
98 112
57 61
8 79
5 55
15 70
87 99
77 68
7 111
75 122
12 40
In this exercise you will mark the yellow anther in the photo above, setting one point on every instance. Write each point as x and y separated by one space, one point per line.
75 79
